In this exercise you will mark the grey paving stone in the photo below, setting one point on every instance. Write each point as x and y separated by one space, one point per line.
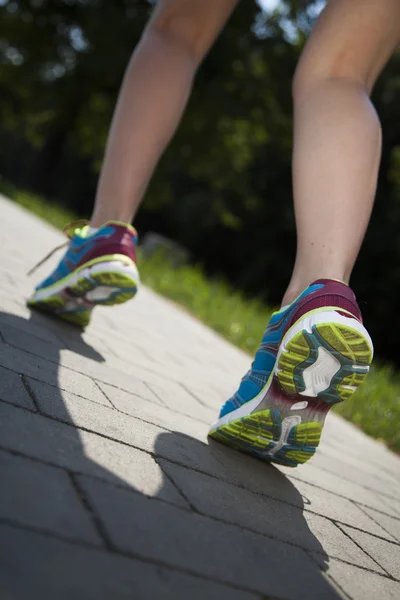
176 397
339 434
383 464
143 366
363 585
13 390
183 539
386 554
33 566
233 467
388 505
30 343
154 413
8 295
131 368
141 369
22 320
83 452
43 497
118 395
342 487
55 351
112 373
218 461
264 515
157 374
371 479
52 400
390 525
210 397
107 421
335 507
78 344
48 372
151 342
239 469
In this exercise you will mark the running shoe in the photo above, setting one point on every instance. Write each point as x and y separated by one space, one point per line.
314 353
98 268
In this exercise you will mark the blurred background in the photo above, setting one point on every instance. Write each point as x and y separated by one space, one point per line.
223 189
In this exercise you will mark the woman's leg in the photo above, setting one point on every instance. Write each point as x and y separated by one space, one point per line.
316 352
152 99
157 85
337 137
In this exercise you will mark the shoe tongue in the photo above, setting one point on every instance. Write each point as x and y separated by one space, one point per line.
84 232
76 228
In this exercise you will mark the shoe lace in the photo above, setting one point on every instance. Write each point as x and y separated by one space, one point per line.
70 230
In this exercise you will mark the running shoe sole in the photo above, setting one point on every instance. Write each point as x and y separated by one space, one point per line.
105 283
322 360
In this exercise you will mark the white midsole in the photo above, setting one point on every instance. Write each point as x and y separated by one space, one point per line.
328 316
109 266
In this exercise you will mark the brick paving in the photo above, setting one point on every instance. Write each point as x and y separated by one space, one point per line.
110 490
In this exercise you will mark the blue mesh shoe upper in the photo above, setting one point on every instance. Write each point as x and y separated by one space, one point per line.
80 245
264 362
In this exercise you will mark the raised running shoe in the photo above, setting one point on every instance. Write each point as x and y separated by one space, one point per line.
314 353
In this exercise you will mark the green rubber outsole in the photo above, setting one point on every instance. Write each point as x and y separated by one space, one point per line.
56 306
258 434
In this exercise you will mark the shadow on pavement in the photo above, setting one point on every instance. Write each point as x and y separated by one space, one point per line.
70 526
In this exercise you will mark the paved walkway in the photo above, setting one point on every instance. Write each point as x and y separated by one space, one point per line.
109 489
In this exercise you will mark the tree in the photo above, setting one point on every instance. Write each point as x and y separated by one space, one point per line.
223 188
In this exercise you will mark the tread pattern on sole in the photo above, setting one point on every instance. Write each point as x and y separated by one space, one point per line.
117 287
259 433
349 347
344 356
57 306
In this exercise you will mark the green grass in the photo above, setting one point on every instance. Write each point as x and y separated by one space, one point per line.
53 213
375 407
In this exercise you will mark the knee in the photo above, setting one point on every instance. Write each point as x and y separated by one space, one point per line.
312 72
180 29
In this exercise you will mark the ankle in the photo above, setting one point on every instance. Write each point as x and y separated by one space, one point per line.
99 219
291 294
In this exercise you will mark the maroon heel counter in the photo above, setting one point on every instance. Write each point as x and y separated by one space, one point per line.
120 242
334 293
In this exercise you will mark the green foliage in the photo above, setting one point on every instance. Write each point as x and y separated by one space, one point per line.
53 213
223 188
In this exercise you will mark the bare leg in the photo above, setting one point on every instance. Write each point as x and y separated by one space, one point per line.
337 143
153 97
